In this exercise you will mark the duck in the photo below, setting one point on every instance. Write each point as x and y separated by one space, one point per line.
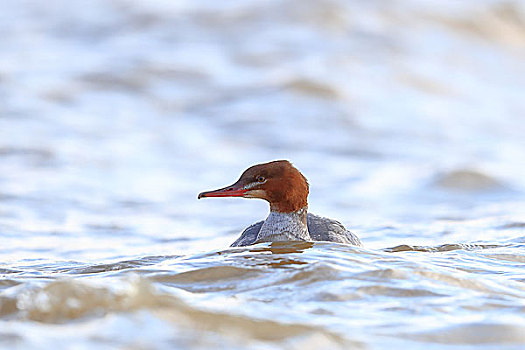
286 190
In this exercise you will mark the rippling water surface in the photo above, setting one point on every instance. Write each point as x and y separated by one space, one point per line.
407 117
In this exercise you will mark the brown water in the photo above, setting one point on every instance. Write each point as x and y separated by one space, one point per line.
407 117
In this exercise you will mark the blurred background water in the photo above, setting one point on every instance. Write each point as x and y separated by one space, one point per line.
407 117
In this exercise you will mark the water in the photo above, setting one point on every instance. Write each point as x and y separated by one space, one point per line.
407 118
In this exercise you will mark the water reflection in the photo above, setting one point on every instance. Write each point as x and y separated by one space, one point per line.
284 247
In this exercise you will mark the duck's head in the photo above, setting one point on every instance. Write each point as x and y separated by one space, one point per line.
277 182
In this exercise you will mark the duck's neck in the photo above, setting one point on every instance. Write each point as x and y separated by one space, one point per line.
285 227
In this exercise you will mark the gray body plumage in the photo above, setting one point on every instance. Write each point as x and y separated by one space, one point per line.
319 229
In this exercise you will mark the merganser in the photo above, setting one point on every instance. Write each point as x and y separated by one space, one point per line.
286 189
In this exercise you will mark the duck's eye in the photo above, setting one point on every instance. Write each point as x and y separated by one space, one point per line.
260 178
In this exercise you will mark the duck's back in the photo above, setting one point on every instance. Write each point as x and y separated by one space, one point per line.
320 229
